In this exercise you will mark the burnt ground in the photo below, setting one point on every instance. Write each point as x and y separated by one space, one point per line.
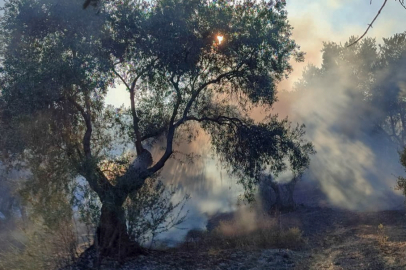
334 239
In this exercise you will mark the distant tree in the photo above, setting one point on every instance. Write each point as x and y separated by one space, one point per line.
59 60
389 92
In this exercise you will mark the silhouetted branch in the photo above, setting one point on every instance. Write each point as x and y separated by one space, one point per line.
370 25
221 120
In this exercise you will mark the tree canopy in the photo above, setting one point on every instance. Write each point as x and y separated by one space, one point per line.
58 62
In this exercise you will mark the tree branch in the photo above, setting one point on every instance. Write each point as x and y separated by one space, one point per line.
204 85
122 79
172 126
88 123
178 100
370 25
219 120
96 179
154 133
402 3
136 119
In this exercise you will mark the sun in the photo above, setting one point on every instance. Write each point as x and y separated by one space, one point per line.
220 38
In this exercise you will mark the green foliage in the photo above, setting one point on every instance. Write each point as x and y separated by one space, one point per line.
252 148
88 205
48 59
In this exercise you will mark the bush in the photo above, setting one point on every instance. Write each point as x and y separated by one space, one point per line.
195 237
382 238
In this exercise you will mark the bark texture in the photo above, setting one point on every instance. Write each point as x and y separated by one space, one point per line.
112 236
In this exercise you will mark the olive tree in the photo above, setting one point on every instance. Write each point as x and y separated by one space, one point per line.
187 65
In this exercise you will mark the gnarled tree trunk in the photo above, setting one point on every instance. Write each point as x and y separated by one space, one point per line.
112 238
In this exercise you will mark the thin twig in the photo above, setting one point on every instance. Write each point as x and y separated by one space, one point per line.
370 25
402 3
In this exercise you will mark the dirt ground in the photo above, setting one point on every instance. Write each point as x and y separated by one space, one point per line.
334 239
351 240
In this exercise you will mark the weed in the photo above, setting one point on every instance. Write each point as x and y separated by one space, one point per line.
382 238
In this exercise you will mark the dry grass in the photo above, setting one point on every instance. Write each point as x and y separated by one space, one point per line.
382 237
